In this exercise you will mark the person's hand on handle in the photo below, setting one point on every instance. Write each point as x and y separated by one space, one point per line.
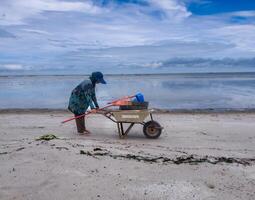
94 111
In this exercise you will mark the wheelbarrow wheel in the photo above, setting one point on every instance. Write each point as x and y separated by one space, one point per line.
152 129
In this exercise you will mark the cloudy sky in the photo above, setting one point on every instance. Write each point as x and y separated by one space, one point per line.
127 36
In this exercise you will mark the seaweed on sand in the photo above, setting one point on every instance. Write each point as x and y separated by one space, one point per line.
47 137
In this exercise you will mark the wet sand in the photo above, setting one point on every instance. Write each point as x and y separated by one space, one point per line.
198 156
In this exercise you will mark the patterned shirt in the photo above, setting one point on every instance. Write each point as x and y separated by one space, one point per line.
82 97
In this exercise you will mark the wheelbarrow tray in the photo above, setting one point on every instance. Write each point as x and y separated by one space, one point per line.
130 116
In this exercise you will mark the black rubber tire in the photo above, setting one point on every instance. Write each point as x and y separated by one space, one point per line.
152 129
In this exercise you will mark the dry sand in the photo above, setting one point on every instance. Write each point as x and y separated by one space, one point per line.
198 156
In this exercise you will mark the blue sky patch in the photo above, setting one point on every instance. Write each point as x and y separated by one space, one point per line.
210 7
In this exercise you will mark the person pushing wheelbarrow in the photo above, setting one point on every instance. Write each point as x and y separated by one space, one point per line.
84 96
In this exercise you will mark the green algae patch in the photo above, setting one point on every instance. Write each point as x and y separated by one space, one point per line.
47 137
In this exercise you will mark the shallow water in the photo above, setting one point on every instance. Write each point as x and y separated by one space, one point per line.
169 91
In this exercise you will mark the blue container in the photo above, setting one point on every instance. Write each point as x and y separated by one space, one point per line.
139 97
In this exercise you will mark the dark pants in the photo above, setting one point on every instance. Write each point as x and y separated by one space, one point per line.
80 123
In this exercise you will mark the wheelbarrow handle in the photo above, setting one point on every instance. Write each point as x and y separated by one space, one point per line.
87 113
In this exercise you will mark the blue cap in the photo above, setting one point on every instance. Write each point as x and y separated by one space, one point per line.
99 77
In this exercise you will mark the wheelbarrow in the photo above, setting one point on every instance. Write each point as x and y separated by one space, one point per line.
151 128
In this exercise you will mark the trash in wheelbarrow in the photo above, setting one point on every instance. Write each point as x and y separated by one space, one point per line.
135 106
137 103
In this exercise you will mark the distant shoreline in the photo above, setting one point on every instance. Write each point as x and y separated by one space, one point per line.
160 111
149 74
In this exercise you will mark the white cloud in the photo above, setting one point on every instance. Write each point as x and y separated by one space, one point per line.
243 36
56 5
37 31
243 13
12 66
13 12
173 9
152 65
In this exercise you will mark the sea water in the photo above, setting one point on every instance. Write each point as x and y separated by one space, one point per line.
163 91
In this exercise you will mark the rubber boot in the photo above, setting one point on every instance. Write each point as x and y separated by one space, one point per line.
80 123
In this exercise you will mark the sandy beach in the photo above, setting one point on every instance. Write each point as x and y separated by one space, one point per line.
198 156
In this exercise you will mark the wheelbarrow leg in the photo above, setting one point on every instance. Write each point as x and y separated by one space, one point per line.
151 116
121 131
129 128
